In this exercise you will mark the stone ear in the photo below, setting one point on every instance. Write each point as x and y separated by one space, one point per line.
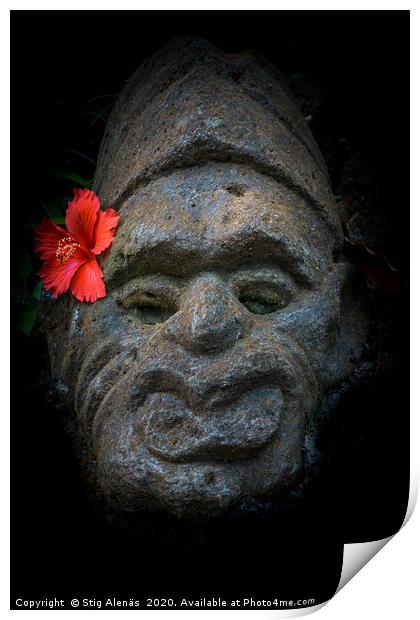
347 348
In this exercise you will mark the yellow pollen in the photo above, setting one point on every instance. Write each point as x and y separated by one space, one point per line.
65 248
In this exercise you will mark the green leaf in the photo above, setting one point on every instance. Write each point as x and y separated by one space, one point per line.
81 155
71 176
27 320
36 293
59 220
24 267
55 207
17 296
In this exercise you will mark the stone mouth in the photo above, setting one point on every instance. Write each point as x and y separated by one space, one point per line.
238 429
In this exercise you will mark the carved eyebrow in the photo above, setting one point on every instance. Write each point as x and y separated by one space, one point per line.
174 254
264 248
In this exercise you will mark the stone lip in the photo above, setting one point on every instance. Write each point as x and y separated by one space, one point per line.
211 383
237 430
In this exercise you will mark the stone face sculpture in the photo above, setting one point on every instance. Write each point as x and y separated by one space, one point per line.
229 312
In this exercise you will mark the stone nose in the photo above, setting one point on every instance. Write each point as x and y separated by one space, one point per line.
210 318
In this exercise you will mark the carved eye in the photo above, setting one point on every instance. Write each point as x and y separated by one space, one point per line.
262 300
148 308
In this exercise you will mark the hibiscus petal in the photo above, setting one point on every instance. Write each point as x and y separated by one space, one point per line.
81 216
105 230
87 283
47 236
56 276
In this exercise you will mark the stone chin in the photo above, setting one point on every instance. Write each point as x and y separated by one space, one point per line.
134 479
135 476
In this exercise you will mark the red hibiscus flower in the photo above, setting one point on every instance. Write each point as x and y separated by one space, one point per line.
70 255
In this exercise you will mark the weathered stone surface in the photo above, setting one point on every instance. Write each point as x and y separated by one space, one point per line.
228 315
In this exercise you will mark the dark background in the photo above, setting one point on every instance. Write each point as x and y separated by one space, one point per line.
349 72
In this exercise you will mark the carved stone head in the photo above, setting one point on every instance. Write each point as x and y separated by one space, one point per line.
228 315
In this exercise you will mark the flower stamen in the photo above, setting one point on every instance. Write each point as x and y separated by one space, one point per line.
66 247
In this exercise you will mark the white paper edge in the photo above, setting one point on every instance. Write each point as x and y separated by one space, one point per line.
355 555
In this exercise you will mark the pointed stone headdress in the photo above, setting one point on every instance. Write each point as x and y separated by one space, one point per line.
191 103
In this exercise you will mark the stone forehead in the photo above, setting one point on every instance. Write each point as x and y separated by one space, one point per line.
191 103
218 215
